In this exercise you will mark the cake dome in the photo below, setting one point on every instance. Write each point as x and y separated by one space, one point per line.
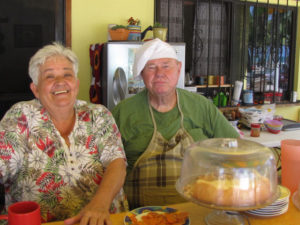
227 173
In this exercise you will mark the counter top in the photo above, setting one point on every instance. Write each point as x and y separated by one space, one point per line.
197 214
272 140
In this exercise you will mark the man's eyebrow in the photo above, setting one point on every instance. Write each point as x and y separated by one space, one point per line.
150 64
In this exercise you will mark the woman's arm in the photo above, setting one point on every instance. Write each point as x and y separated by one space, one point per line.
96 212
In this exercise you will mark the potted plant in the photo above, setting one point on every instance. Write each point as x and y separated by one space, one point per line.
134 28
159 31
119 33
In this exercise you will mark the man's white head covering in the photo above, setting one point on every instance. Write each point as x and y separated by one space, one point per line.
154 49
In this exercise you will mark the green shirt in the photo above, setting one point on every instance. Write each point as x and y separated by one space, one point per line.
202 120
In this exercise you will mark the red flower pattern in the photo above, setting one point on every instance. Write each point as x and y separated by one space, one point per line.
6 149
44 115
115 129
84 116
98 179
22 124
90 144
47 183
48 147
90 141
95 151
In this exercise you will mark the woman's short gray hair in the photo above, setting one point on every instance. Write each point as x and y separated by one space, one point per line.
54 49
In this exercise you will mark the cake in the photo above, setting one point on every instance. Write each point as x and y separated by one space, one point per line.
225 190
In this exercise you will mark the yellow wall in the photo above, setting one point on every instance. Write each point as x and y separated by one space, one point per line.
89 25
291 113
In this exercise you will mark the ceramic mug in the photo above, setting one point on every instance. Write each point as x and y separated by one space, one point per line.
25 213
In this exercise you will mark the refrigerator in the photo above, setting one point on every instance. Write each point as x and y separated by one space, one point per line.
117 81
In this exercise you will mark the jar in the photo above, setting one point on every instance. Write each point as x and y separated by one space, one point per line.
268 98
248 97
255 129
278 96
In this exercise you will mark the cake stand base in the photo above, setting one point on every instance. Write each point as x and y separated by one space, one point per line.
220 217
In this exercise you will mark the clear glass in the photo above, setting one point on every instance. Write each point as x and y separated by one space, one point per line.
220 217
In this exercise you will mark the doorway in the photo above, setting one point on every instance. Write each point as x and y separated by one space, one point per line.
25 26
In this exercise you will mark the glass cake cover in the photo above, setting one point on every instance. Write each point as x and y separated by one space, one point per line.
231 174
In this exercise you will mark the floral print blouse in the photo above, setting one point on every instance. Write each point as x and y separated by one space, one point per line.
36 164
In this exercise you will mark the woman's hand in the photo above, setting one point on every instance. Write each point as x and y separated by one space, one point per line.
90 215
96 212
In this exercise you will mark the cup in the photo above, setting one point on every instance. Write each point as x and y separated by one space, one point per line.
25 213
290 164
211 79
219 80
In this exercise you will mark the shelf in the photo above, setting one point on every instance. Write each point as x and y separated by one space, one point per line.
211 86
277 105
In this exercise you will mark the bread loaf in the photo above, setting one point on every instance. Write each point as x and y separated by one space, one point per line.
229 191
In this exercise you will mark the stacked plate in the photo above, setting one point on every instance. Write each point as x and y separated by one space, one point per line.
277 208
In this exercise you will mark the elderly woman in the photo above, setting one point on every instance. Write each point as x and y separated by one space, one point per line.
158 123
63 153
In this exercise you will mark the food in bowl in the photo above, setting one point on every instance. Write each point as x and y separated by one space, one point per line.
273 126
158 218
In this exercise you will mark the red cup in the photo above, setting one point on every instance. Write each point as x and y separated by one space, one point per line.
25 213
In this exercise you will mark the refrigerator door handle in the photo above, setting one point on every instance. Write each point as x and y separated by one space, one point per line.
119 85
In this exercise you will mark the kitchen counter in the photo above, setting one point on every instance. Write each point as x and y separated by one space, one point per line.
272 140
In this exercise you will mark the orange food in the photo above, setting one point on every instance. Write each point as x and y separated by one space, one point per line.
154 218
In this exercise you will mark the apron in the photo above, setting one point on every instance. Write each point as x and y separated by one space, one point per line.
153 177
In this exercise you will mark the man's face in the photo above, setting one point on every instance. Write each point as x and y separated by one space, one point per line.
57 84
161 76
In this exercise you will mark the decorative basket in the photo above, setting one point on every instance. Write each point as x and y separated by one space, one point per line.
119 34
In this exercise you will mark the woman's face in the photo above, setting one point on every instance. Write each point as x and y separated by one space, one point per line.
161 76
57 84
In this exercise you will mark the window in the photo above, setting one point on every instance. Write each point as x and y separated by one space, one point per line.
250 41
266 36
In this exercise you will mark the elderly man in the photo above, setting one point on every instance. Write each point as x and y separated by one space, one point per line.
158 123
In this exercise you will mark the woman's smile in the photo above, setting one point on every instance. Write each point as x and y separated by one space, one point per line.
60 92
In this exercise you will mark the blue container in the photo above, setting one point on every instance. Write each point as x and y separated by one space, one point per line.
135 33
248 97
